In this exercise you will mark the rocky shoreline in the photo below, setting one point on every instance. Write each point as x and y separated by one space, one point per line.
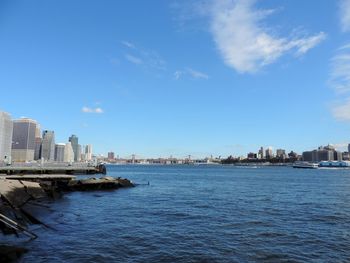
18 195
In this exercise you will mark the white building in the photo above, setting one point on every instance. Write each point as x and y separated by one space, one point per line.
6 129
68 153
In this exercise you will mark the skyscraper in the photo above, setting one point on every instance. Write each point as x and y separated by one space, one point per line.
48 146
37 148
6 129
74 140
23 140
68 153
88 152
59 152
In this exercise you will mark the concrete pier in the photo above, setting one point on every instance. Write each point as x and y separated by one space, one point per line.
50 169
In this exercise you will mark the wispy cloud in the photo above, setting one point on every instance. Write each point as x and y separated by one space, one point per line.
133 59
341 111
178 74
344 9
340 82
244 43
91 110
128 44
340 71
146 58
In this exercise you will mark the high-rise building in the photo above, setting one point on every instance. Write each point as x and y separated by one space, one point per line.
269 153
6 130
111 156
261 153
23 140
48 146
280 153
68 153
78 159
74 140
349 148
37 148
59 152
88 152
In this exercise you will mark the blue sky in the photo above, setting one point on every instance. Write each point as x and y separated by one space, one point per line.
160 78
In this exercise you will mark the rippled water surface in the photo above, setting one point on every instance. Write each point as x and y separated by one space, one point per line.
203 214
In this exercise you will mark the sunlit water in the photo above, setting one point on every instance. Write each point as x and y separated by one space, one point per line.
202 214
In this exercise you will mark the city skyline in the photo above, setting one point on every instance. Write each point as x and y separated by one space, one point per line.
185 81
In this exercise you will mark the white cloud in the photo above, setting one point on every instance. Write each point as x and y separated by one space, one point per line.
91 110
191 72
244 43
344 8
133 59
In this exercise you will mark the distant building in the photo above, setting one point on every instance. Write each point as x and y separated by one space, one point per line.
261 153
68 153
48 146
23 140
88 152
74 140
78 159
252 155
280 153
59 152
111 156
6 130
327 153
268 153
37 148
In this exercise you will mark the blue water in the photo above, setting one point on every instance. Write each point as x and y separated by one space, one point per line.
203 214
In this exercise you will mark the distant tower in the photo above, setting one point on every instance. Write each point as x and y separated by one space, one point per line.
6 129
59 152
74 140
48 146
68 153
23 140
88 152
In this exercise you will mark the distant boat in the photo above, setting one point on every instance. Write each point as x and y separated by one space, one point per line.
305 165
335 164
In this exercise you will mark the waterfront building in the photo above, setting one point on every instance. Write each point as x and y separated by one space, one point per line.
48 146
68 153
261 153
268 153
327 153
251 155
74 140
6 130
23 140
280 153
37 148
349 148
78 159
59 152
111 156
88 152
